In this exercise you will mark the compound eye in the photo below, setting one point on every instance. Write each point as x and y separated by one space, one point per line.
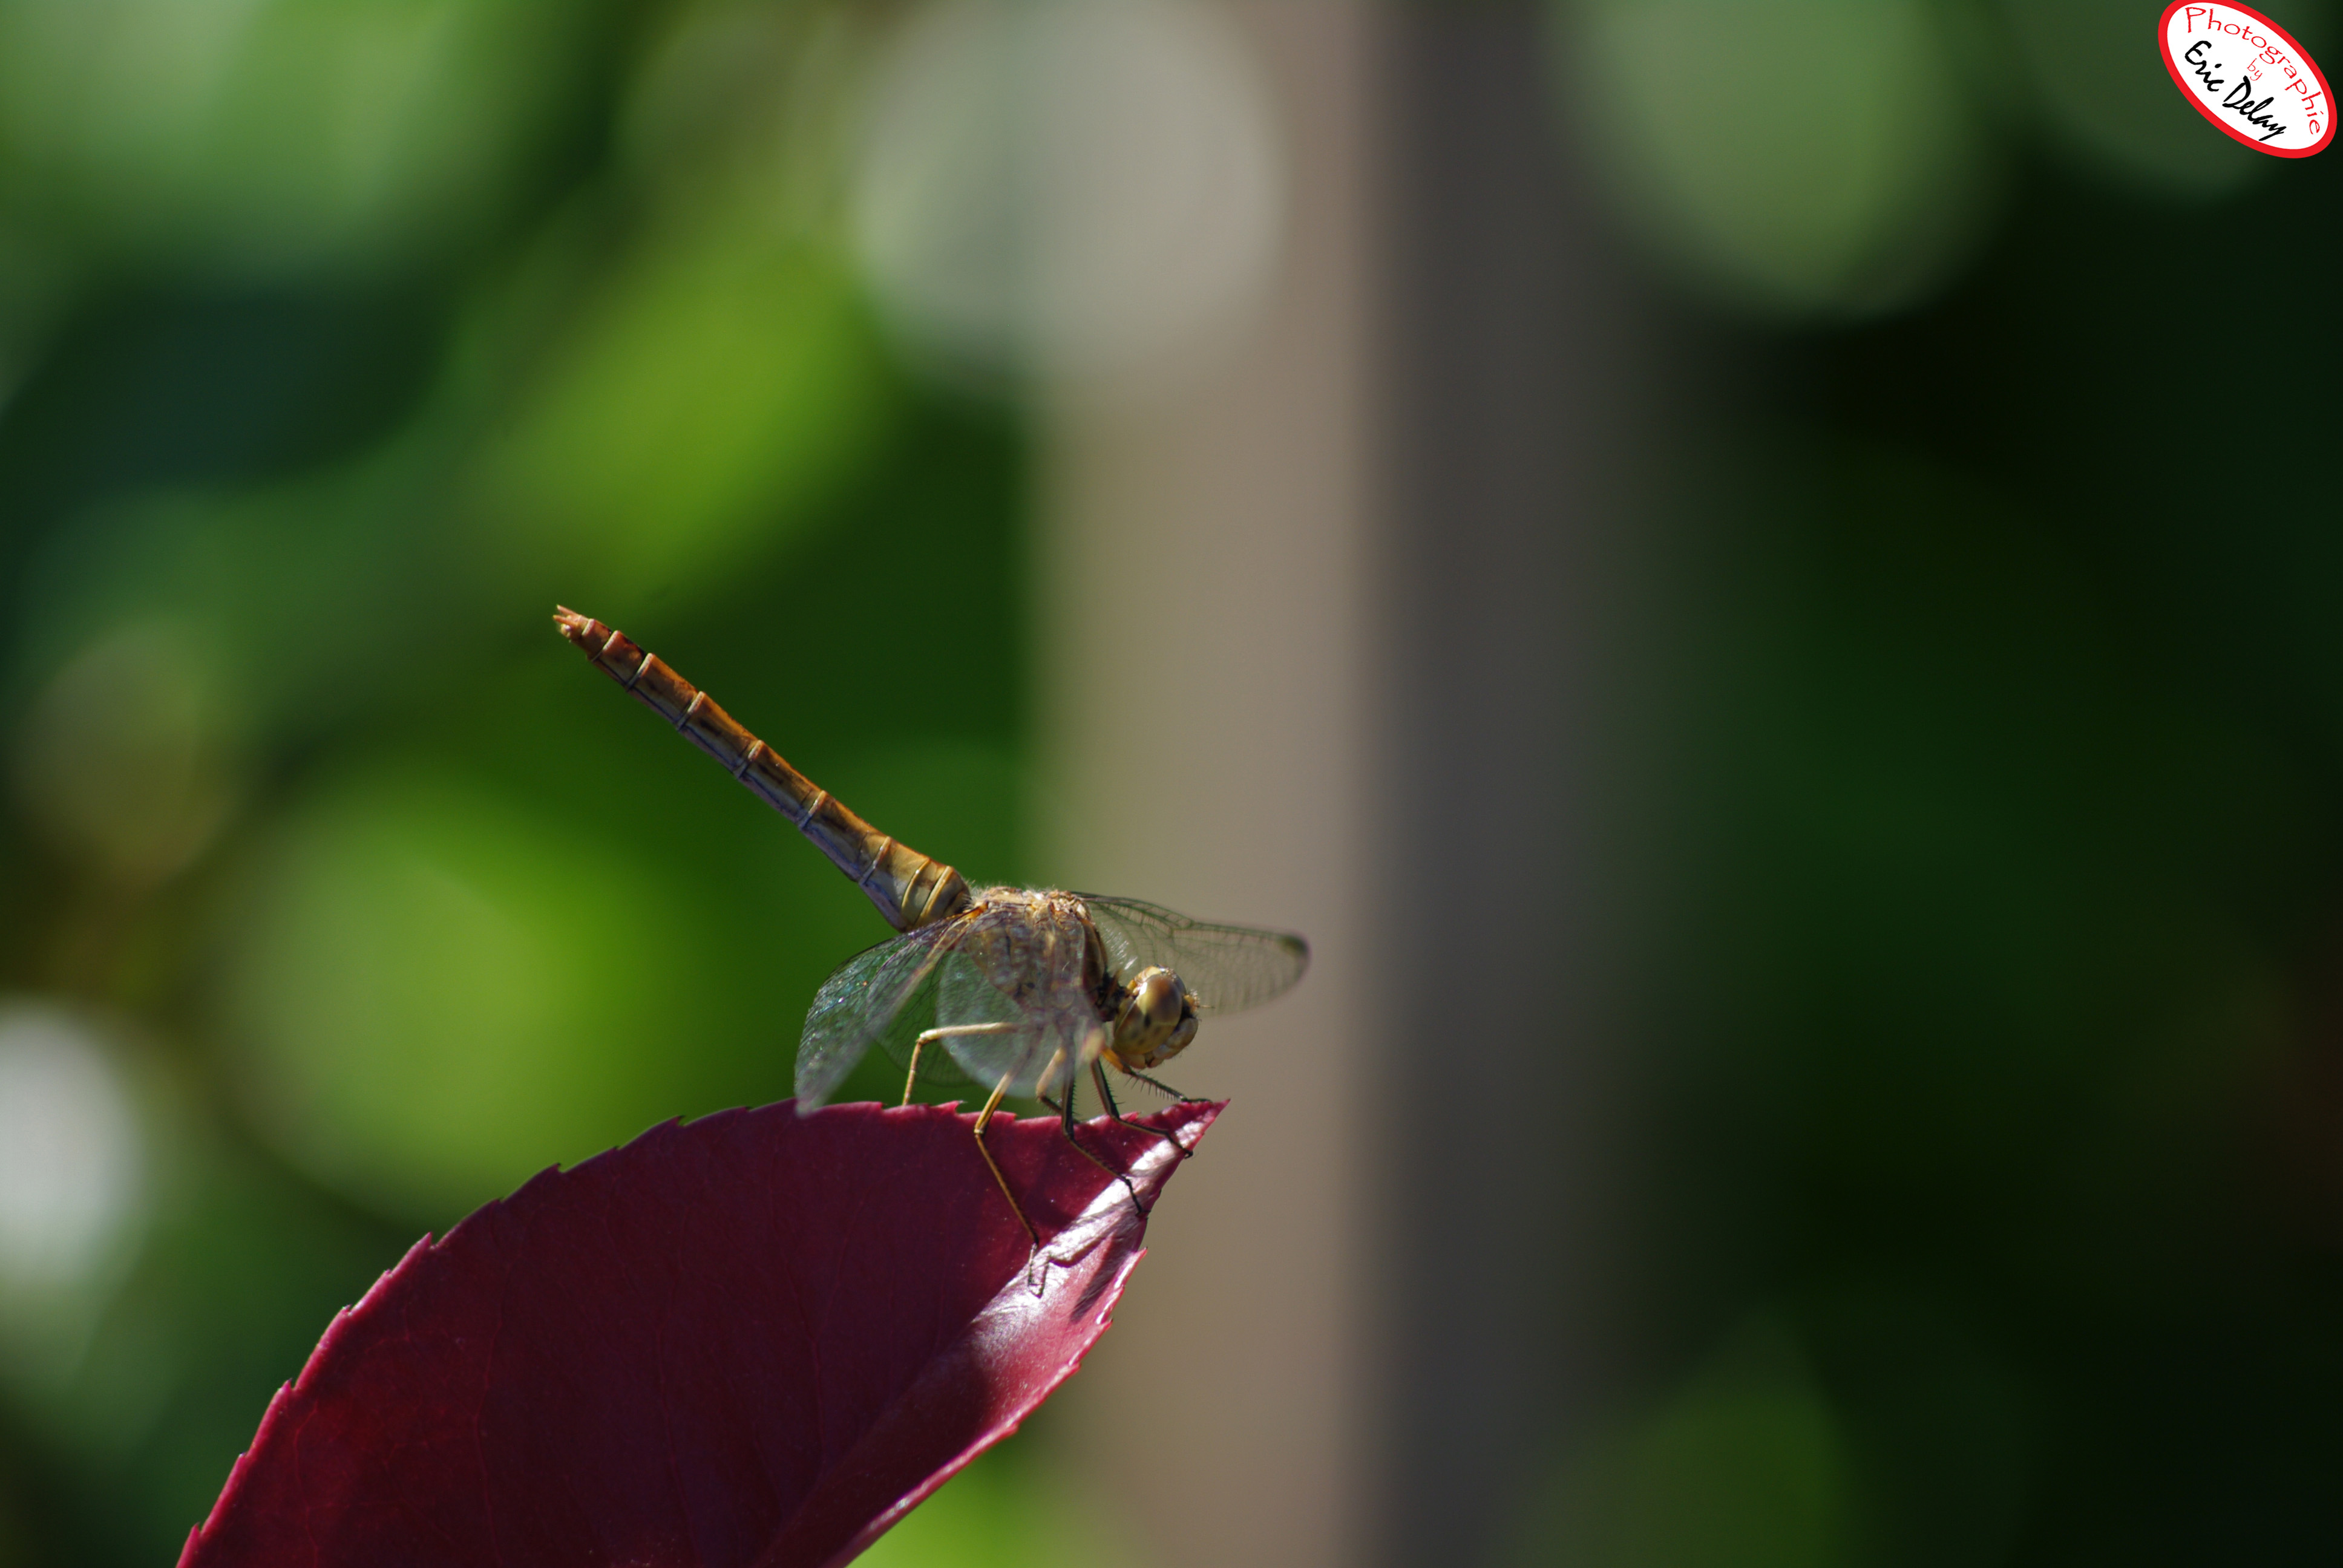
1159 997
1180 1037
1158 1017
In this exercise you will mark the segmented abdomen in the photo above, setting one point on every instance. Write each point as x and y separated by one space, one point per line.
911 890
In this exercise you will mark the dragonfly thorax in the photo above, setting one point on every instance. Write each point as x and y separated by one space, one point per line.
1157 1020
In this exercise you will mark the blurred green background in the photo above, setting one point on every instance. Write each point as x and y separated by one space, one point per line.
1988 1140
340 342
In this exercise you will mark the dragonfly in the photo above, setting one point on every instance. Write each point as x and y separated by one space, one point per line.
1023 991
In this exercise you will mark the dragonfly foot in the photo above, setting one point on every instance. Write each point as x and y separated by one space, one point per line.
1106 1097
1066 1124
1122 1176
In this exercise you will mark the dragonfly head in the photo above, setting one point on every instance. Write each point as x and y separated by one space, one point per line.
1157 1020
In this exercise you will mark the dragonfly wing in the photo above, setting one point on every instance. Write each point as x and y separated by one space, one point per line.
1037 1044
862 1001
916 1015
1227 967
931 1002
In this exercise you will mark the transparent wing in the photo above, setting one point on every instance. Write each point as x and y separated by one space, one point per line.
919 1013
1226 967
862 1001
1037 1043
925 1006
897 990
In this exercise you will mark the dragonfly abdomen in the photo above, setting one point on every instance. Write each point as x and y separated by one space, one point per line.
910 888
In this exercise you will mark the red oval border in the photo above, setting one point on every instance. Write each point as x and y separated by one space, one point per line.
2164 49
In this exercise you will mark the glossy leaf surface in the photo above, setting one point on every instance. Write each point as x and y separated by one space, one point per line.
755 1339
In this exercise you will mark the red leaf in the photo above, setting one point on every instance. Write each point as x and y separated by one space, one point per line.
755 1339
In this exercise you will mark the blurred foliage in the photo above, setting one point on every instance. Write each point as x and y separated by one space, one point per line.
1839 159
2001 1082
1804 156
337 343
992 1515
1742 1467
1995 1207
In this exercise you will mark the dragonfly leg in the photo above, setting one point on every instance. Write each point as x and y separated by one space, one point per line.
1066 1122
945 1032
1106 1098
984 1117
1182 1098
